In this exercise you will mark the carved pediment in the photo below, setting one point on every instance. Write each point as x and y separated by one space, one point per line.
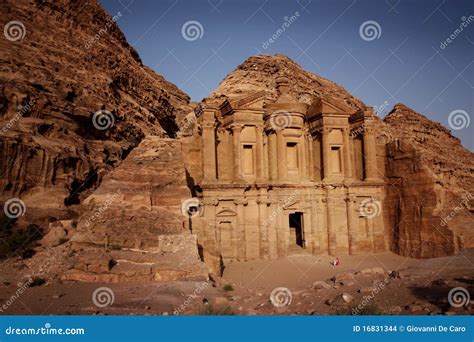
226 212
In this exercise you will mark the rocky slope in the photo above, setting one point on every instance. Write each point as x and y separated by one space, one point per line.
430 186
73 61
63 62
259 73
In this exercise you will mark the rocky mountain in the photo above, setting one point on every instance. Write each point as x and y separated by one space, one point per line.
259 73
84 125
430 186
75 99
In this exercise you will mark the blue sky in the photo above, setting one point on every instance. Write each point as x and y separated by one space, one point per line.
404 58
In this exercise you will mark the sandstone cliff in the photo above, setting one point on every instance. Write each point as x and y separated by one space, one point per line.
430 186
133 227
258 73
72 62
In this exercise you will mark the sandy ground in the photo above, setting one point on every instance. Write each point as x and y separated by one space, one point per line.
417 287
302 270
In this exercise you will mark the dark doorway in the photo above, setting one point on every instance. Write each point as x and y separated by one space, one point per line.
296 228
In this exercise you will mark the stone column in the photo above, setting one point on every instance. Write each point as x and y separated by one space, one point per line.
351 224
272 224
369 155
326 153
273 157
281 156
347 154
307 231
266 174
263 223
323 222
311 157
209 152
305 156
259 153
236 130
241 249
316 247
332 245
370 223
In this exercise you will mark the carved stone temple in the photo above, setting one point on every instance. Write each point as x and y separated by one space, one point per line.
281 177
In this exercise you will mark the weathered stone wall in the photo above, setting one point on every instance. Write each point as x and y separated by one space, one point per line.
51 85
430 186
134 220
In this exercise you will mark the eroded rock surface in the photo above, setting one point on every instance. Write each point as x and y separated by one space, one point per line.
133 227
72 62
430 187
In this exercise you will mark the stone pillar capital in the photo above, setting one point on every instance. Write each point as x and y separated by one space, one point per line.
326 130
210 201
237 127
241 201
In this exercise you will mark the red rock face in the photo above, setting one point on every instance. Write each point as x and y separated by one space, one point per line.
72 62
260 73
430 187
